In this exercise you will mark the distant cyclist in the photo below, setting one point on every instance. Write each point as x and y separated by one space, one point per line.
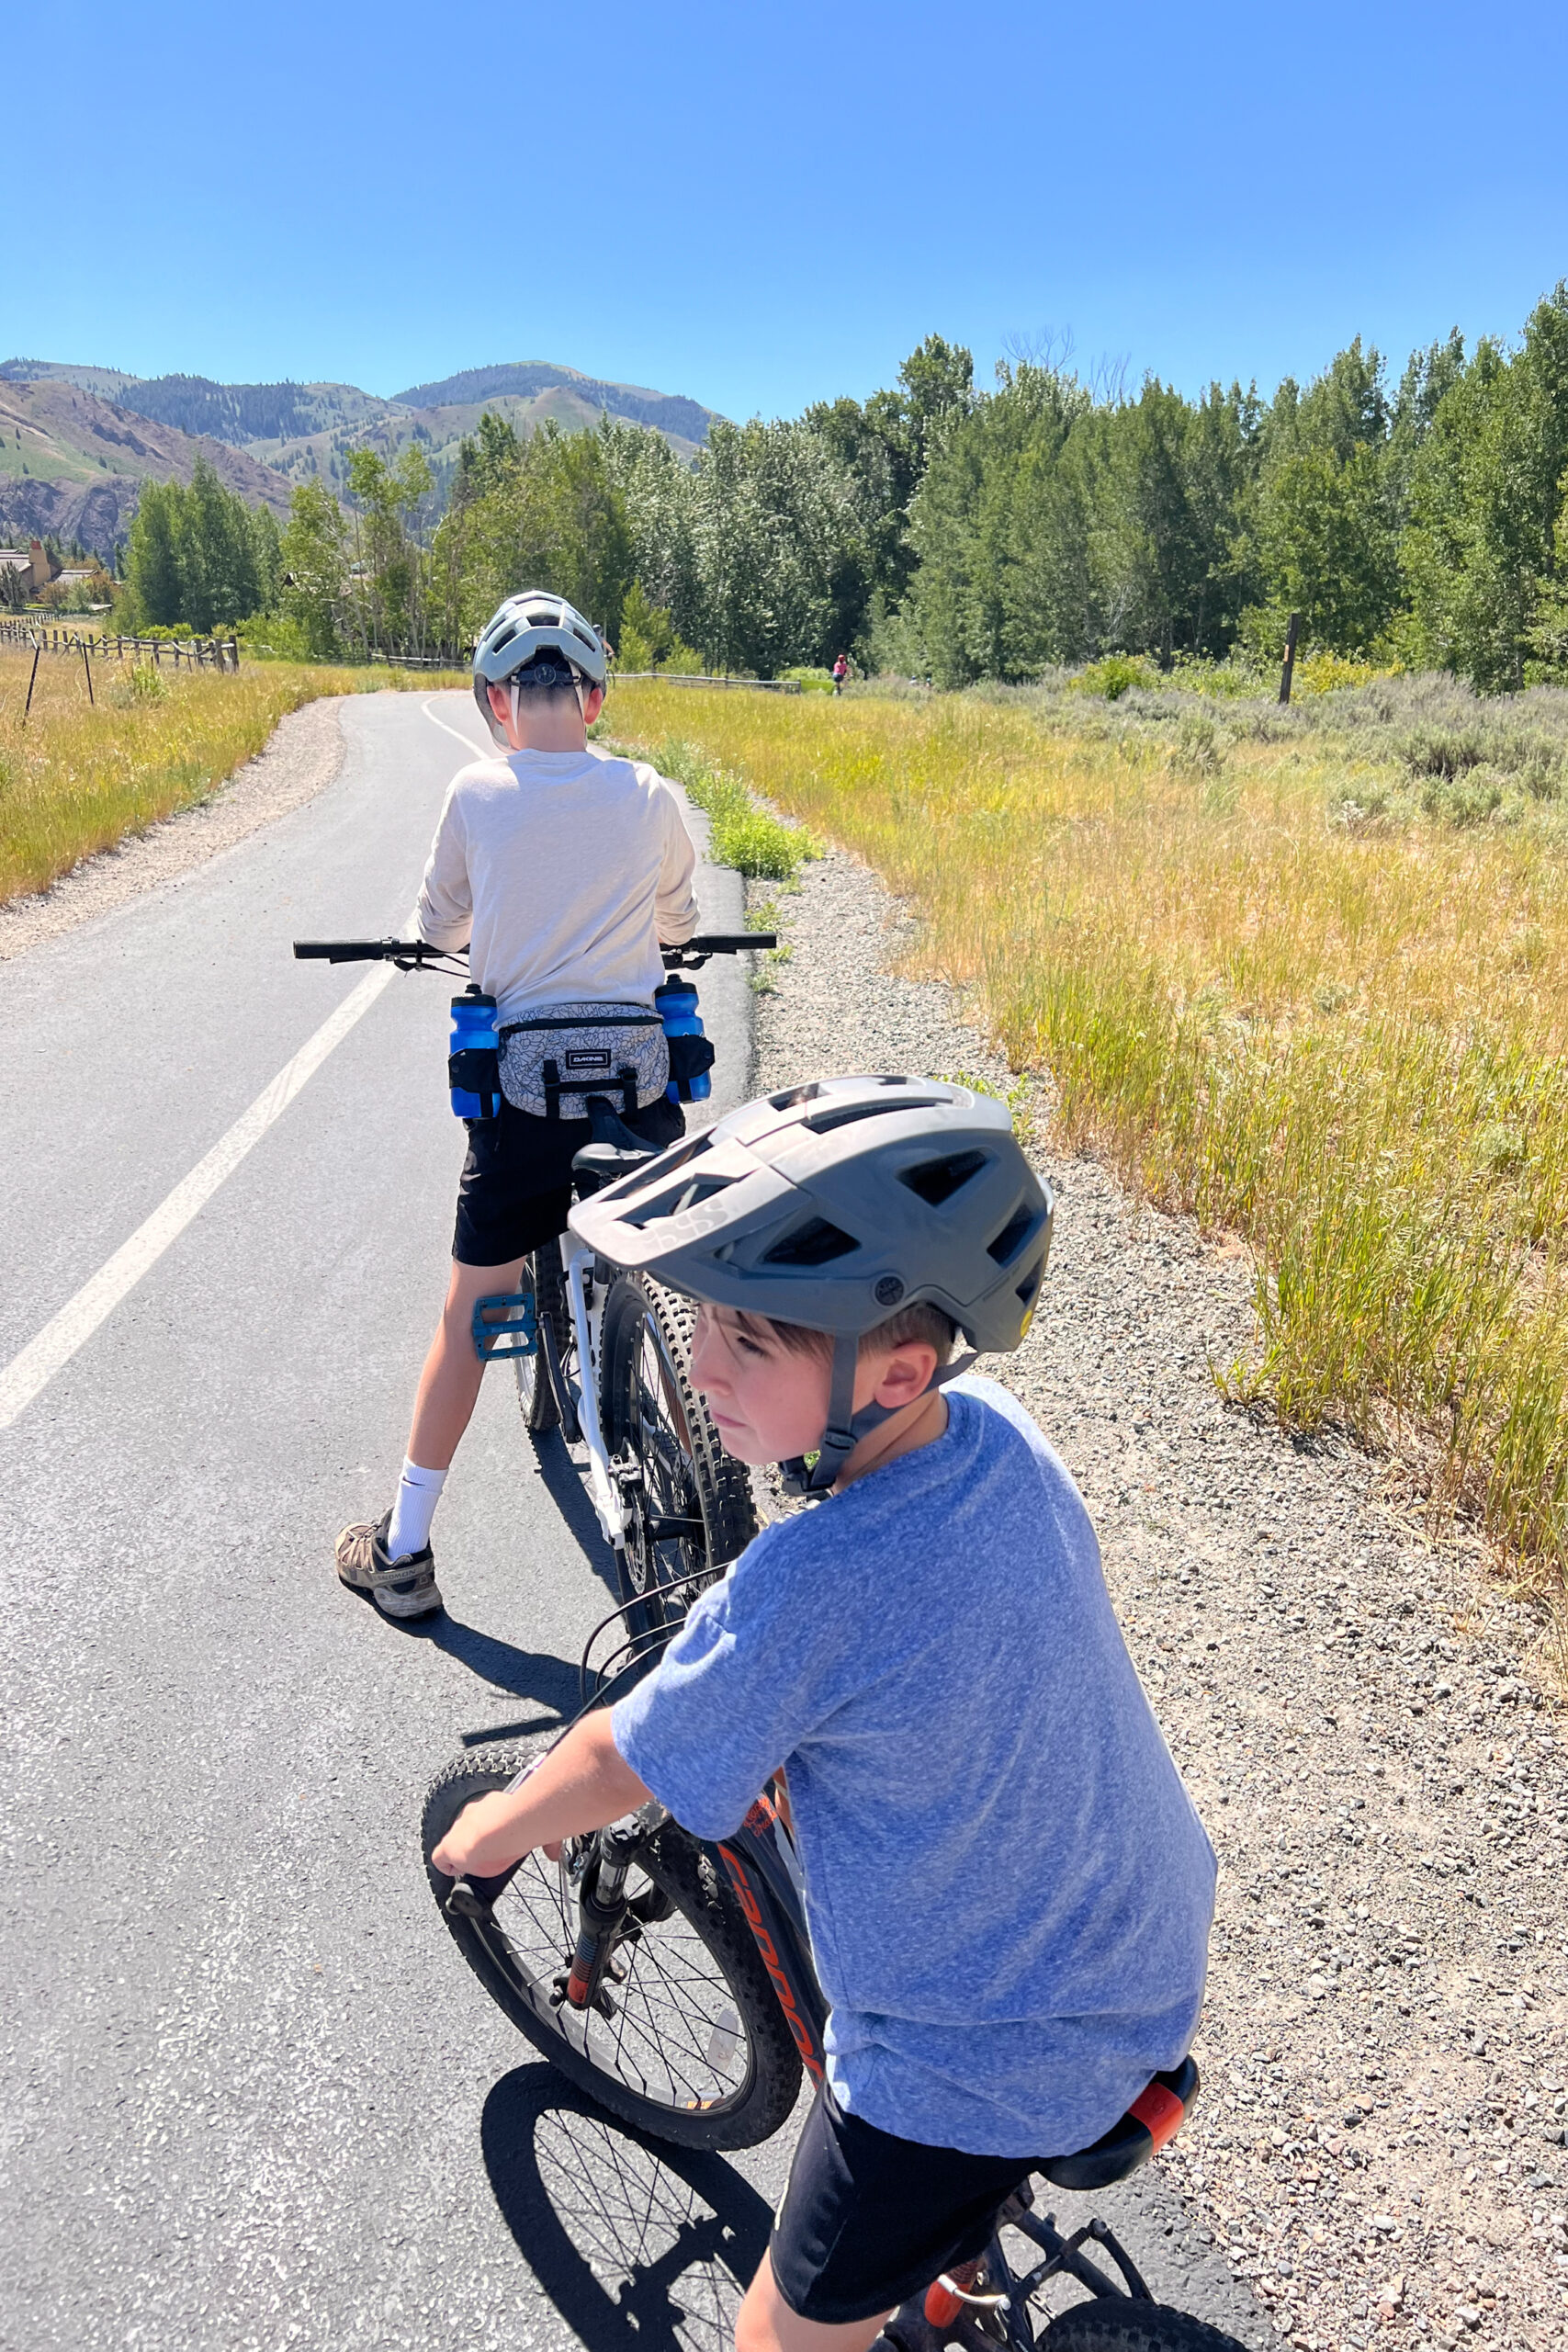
566 870
1008 1888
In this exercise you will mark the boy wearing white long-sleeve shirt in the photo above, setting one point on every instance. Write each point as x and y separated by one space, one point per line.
564 873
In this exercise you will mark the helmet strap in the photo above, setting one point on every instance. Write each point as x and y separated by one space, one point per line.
846 1427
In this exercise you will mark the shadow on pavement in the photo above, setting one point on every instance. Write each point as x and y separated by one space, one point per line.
528 1674
562 1482
633 2241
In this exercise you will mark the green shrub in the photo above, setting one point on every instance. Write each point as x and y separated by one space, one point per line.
1114 677
741 835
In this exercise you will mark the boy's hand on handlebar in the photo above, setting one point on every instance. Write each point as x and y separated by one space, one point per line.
483 1840
578 1786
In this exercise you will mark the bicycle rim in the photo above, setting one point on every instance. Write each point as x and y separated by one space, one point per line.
675 2040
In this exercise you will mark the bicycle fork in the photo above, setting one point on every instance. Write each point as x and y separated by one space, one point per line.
602 1909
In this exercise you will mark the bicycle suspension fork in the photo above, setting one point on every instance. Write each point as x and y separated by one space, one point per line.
602 1905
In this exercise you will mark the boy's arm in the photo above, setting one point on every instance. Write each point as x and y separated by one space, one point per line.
677 910
582 1784
446 901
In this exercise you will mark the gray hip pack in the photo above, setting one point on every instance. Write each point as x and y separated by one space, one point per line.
554 1060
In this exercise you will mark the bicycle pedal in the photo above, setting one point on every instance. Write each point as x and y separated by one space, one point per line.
515 1331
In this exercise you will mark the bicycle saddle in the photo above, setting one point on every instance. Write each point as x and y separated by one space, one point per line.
1154 2117
614 1151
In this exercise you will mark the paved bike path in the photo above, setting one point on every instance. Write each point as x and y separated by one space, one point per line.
251 2097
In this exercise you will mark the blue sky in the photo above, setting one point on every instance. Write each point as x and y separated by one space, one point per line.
763 205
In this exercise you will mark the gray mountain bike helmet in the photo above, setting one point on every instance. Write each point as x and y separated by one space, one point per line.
834 1204
532 622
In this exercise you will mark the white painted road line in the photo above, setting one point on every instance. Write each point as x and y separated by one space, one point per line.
35 1366
475 750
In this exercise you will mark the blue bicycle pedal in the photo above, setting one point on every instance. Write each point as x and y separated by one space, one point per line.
505 1325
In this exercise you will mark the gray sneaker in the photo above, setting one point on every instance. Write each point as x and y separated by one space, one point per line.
401 1587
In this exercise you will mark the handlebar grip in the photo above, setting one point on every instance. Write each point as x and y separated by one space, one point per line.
719 944
360 950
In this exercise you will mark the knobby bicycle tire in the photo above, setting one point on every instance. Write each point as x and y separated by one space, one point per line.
652 1414
542 1393
697 2024
1119 2324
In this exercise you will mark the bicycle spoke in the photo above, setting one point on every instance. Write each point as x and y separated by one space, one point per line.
669 2006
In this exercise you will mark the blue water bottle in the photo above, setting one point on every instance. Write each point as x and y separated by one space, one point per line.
691 1052
473 1065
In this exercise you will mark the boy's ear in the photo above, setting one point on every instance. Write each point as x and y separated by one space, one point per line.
906 1373
592 704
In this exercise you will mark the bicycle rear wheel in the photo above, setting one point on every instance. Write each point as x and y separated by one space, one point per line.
542 1392
697 2050
691 1511
1117 2324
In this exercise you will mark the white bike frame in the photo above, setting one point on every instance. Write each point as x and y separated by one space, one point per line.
587 1319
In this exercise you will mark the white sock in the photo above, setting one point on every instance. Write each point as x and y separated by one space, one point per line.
419 1491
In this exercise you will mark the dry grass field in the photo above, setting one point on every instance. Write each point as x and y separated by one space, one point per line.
75 777
1304 975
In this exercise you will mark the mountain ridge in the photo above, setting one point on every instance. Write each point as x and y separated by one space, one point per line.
76 469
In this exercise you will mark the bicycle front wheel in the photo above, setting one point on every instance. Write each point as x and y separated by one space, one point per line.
692 1510
694 2048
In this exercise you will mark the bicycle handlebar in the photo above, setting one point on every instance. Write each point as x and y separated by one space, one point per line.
413 955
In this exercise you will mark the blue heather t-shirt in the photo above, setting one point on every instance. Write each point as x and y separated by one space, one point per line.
1008 1886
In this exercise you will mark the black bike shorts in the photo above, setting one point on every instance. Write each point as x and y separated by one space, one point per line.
515 1189
869 2220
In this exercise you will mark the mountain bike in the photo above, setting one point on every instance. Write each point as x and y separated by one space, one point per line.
604 1356
672 1980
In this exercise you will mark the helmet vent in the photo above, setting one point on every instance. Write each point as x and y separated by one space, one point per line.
1013 1234
816 1243
1029 1286
936 1181
701 1188
844 1114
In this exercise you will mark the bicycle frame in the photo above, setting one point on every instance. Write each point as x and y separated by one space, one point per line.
759 1863
587 1316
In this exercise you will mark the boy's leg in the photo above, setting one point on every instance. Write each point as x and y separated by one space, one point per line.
449 1385
766 2323
390 1559
867 2222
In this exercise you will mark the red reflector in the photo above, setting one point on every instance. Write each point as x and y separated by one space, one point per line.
1159 2112
942 2307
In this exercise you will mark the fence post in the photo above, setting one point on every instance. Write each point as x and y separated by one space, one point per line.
86 665
1286 673
32 681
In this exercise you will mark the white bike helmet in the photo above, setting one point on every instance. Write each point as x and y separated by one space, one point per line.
836 1205
537 622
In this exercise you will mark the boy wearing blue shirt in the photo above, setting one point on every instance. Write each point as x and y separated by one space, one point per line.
1008 1889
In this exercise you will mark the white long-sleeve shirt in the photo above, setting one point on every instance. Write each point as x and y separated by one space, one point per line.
564 871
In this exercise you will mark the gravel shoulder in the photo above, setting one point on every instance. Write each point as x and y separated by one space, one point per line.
1379 2148
302 756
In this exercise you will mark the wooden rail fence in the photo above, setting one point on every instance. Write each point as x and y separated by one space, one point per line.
688 678
194 652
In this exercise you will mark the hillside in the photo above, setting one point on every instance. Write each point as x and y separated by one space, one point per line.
74 463
76 440
672 414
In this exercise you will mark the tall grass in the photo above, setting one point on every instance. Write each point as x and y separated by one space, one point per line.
78 777
1345 1041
